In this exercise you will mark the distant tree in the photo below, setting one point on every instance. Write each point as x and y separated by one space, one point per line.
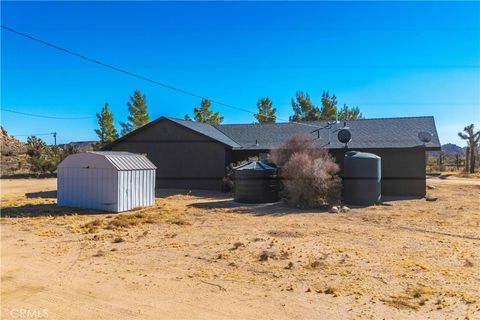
266 111
303 108
35 146
329 107
69 149
348 113
106 132
44 158
472 142
187 117
205 115
137 107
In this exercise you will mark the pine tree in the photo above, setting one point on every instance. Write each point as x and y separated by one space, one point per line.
137 106
472 141
304 109
266 111
348 113
329 107
205 115
106 132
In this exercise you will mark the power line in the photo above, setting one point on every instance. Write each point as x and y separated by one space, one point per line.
103 64
106 65
45 116
32 134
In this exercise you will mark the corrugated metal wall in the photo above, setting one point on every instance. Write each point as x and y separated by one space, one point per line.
136 188
88 188
105 189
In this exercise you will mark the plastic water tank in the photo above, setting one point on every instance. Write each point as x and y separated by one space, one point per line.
362 178
256 182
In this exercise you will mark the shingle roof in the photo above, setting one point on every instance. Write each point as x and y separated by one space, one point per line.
207 130
366 133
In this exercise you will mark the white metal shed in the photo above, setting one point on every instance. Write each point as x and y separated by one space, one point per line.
106 180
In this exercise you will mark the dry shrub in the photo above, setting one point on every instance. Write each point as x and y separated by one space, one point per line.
309 173
92 226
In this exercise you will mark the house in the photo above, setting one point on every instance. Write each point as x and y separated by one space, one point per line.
194 155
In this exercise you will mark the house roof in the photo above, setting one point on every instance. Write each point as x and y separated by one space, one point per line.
121 161
207 130
366 133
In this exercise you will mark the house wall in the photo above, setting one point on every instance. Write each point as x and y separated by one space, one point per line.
403 170
184 159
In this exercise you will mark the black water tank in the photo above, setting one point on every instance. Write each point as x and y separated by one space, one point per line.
256 182
362 178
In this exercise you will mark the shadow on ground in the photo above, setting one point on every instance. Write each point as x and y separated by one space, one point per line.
165 193
43 210
262 209
387 199
42 194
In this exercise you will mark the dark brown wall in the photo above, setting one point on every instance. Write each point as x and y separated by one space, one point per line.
403 170
184 159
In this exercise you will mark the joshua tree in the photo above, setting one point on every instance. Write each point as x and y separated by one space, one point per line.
472 141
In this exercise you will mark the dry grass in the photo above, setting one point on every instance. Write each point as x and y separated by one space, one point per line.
160 213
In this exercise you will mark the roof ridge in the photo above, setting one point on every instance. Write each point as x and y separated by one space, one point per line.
316 121
226 135
191 126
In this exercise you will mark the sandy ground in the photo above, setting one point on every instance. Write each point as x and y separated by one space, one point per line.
201 256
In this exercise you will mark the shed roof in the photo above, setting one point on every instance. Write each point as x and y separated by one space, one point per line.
121 161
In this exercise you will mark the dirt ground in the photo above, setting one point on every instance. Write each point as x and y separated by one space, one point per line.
199 255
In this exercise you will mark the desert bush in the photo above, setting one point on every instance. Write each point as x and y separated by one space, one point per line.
35 146
44 158
308 172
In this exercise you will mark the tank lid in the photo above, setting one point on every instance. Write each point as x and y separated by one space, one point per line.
363 155
255 165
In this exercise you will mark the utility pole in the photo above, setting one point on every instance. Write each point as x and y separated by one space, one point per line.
54 137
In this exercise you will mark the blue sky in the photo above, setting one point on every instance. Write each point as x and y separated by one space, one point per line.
391 59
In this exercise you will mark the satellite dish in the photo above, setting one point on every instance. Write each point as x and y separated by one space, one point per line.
425 136
344 135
